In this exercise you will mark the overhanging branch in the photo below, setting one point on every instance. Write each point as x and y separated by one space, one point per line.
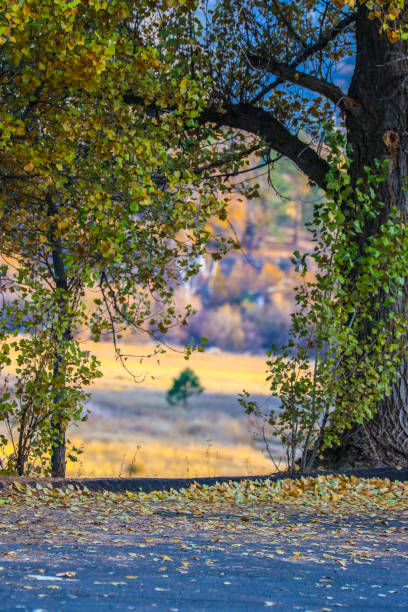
264 124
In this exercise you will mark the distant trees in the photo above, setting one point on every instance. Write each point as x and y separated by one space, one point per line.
184 387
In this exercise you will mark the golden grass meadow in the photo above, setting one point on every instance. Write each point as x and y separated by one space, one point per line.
158 459
219 372
156 456
131 430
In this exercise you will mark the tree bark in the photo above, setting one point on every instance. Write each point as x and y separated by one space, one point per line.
58 447
63 331
380 87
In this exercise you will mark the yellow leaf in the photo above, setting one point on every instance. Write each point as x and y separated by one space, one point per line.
63 224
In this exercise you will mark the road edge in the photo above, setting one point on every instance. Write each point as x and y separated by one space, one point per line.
146 485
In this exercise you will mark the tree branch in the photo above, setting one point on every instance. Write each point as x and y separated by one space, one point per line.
289 73
327 37
280 14
263 123
323 40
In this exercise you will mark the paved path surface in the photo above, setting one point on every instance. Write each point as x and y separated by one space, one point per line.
286 559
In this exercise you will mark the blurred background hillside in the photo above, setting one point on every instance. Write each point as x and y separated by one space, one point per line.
244 300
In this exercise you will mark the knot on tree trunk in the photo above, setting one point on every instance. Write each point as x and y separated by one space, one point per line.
391 142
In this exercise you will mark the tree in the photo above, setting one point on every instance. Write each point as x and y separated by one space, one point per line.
184 386
79 78
313 405
275 73
94 195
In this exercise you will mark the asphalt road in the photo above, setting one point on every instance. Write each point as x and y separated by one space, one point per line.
293 560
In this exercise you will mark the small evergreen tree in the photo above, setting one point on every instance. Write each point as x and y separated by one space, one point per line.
186 385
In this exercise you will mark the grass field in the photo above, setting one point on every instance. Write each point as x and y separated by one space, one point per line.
218 372
155 458
133 431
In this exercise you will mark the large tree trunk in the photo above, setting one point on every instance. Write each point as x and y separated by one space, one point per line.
380 88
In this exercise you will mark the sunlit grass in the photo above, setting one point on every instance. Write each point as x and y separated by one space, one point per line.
218 372
166 460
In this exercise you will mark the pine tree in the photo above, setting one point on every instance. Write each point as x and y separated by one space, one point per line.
185 386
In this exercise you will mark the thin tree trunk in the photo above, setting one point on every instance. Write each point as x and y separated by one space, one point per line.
21 445
58 448
380 86
63 329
